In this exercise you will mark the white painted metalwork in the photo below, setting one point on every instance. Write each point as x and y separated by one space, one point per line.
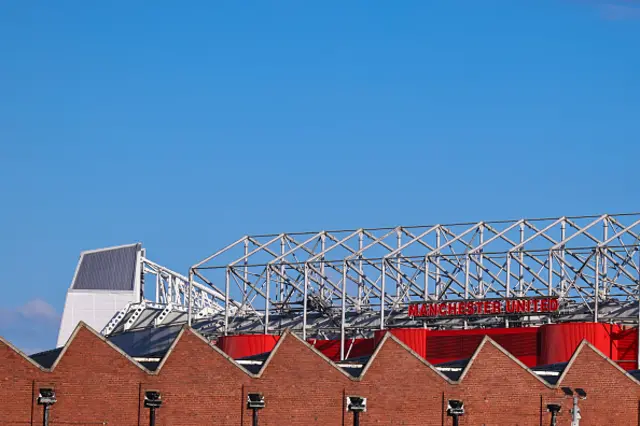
585 261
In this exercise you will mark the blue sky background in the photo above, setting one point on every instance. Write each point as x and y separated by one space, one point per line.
188 125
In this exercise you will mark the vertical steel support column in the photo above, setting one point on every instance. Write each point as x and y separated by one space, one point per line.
304 302
597 285
255 417
356 418
426 278
246 268
480 268
227 283
382 290
438 288
508 280
323 242
360 275
550 278
563 235
467 265
605 236
521 266
343 308
158 281
398 273
267 302
282 269
189 304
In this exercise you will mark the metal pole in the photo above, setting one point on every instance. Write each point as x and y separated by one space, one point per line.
426 277
246 266
344 309
282 269
479 267
304 302
437 277
356 418
152 416
398 274
455 421
189 296
521 267
360 275
255 417
595 302
45 416
382 283
266 302
226 301
563 235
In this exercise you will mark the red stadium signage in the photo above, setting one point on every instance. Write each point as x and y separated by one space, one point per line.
487 307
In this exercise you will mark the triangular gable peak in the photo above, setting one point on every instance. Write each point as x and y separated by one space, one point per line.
486 345
9 353
84 331
390 339
289 341
580 352
188 336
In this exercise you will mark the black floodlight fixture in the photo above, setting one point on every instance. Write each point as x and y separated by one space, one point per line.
152 399
567 391
581 393
356 404
455 409
47 396
554 409
255 401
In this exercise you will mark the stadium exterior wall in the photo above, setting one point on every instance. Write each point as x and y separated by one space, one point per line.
97 383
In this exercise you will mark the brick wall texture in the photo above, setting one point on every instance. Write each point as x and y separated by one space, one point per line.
97 384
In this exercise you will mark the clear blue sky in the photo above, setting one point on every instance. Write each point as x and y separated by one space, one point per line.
188 125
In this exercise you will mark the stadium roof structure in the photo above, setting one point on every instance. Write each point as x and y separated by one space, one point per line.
350 283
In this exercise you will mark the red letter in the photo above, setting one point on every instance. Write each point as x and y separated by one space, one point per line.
553 305
441 308
510 306
413 310
497 307
423 310
433 310
536 306
487 307
544 305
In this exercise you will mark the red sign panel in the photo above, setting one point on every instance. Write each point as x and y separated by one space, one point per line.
527 306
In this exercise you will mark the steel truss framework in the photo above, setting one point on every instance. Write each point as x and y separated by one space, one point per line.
585 261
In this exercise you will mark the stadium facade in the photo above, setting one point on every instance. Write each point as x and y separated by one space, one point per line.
486 323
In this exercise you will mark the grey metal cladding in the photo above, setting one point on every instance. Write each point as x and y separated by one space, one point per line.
108 269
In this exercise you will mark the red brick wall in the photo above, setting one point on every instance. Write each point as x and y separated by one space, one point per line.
94 382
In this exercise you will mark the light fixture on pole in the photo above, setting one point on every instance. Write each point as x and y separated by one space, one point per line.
152 401
46 398
357 405
554 409
575 411
255 401
455 409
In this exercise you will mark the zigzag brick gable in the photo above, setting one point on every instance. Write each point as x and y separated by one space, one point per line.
611 393
198 384
17 376
402 388
94 382
301 387
495 386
